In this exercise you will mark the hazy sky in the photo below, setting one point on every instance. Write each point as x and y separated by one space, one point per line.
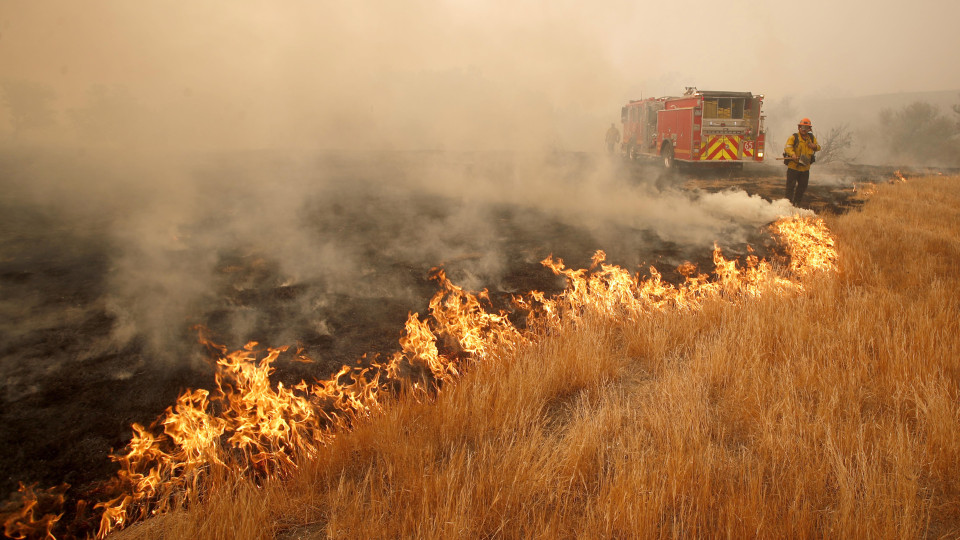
457 73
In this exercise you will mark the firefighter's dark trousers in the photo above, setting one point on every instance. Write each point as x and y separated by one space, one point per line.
796 185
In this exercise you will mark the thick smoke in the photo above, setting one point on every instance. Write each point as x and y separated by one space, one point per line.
369 75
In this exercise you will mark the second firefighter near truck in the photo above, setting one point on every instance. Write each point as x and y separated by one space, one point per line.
799 153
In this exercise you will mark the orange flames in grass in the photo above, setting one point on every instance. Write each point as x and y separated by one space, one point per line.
37 515
247 427
613 290
809 244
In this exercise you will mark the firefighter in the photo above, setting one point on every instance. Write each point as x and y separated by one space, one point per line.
613 137
798 154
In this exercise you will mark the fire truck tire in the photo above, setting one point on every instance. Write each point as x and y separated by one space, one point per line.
667 154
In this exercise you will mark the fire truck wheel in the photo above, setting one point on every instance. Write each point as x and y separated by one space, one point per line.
667 154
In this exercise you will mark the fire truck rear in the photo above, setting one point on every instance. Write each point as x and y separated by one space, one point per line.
701 127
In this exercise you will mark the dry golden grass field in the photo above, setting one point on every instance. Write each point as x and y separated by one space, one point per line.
820 402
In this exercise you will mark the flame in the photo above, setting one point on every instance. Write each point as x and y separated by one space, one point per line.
809 244
21 519
247 427
614 291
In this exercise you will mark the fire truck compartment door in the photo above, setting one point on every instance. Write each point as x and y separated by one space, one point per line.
676 125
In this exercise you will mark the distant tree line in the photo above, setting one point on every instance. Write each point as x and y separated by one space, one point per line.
917 134
921 134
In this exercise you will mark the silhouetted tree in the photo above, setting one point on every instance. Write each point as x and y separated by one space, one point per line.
835 144
956 109
920 133
29 105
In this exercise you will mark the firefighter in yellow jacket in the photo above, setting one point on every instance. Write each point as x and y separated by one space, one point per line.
799 153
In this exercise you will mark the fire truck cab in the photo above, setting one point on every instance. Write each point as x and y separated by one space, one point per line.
702 127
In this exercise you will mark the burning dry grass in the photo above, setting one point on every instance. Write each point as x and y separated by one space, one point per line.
831 413
825 405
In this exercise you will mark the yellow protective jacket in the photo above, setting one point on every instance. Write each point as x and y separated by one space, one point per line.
805 149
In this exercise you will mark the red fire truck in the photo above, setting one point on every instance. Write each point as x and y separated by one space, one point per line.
702 127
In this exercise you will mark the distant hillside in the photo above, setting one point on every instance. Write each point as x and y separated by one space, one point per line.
864 110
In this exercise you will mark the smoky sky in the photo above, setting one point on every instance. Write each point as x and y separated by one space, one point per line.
448 74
